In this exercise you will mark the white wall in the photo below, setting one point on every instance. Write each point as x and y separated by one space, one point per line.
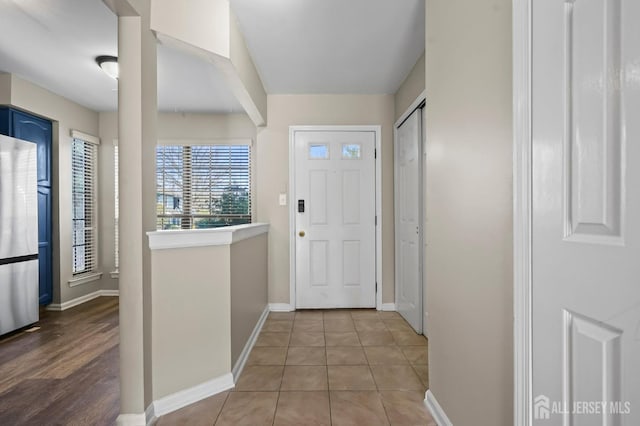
249 286
273 171
469 209
191 317
410 88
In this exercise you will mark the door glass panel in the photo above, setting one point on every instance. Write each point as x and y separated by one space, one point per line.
351 151
318 152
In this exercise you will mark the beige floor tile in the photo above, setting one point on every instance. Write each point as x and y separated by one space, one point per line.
338 325
397 325
385 355
272 338
406 408
416 354
423 373
277 325
309 314
267 356
409 338
306 355
308 325
341 355
396 377
303 408
260 378
364 314
349 338
202 413
304 378
369 325
376 338
337 314
357 408
351 377
287 316
306 339
389 315
248 409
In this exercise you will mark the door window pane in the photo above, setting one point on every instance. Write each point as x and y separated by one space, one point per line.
318 152
351 151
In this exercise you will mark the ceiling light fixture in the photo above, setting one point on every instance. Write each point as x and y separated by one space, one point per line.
109 65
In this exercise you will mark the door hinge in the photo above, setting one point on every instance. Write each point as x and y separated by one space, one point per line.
375 220
375 153
376 287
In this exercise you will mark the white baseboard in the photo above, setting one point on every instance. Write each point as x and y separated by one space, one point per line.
188 396
80 300
436 410
150 415
131 420
388 307
244 355
280 307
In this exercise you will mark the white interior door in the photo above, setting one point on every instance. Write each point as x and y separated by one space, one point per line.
334 205
586 212
408 205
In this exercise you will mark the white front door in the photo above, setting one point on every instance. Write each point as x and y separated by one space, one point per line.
334 202
407 214
586 212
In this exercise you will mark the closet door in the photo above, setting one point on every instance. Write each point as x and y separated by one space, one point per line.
408 214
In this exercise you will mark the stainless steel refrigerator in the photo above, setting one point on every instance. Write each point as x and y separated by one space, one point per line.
18 234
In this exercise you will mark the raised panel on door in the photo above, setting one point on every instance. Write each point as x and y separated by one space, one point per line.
318 202
592 107
351 197
351 262
585 233
319 263
45 265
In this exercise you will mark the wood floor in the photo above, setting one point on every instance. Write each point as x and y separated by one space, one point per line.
65 373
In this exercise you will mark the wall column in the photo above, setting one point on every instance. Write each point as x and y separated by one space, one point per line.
137 118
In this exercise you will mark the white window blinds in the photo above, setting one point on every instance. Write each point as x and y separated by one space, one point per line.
84 159
203 186
116 195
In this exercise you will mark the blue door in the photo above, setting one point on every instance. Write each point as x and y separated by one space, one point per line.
35 129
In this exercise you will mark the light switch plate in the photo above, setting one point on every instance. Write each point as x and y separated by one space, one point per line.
283 199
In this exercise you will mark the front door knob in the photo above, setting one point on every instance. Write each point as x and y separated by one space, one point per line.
301 233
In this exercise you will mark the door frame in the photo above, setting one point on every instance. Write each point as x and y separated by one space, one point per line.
522 212
422 97
377 130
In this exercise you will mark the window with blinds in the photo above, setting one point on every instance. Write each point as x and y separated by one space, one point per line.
84 162
116 196
203 186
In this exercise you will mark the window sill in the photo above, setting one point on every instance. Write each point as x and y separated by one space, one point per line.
115 274
84 278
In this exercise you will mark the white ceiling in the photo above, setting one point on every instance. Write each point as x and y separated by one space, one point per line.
53 43
299 46
332 46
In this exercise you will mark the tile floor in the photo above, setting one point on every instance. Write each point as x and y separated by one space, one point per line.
334 367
